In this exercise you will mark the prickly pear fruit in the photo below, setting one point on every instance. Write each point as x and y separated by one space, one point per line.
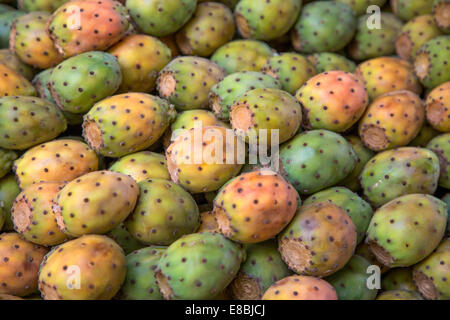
140 57
6 20
243 55
85 205
198 266
398 279
124 239
126 123
335 30
409 9
211 26
55 161
328 61
186 82
446 199
255 206
140 283
11 60
12 83
208 222
310 166
9 190
194 164
437 107
441 10
33 216
9 297
300 288
98 259
160 18
424 137
360 6
440 145
40 5
399 295
389 233
87 25
7 158
273 110
363 250
19 264
394 173
5 8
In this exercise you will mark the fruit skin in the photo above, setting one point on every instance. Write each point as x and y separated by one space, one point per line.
243 55
209 262
310 167
437 107
440 14
424 137
394 173
186 82
140 283
124 239
354 206
30 41
114 129
211 26
40 5
140 57
431 62
98 259
392 120
9 190
360 6
300 288
163 213
446 199
268 109
19 264
5 8
399 295
208 222
328 61
81 81
13 62
431 275
28 121
87 34
12 83
319 241
160 17
389 233
408 9
6 19
440 146
363 250
255 206
261 269
78 204
266 20
398 279
33 216
229 3
56 161
7 158
350 282
336 31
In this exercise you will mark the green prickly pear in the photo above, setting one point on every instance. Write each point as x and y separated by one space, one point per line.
9 190
361 6
398 279
328 61
440 145
426 134
40 5
399 295
10 59
7 158
124 239
6 20
408 9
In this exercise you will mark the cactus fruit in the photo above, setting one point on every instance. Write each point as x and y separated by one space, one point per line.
33 216
9 190
186 82
440 145
223 94
266 20
424 137
333 101
56 161
211 27
328 61
13 62
208 222
40 5
316 159
243 55
126 123
160 18
124 239
360 6
204 159
292 70
87 25
399 295
7 158
84 205
12 83
431 62
392 120
335 30
140 282
394 173
6 20
300 288
363 250
255 206
446 199
437 107
198 266
441 11
31 43
351 281
273 110
262 268
389 234
229 3
97 260
5 8
409 9
398 279
19 264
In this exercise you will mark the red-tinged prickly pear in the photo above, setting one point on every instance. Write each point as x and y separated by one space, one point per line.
398 279
19 264
99 262
328 61
441 12
409 9
12 83
399 295
424 137
389 234
300 288
9 297
7 158
9 190
87 25
11 60
33 216
140 57
363 250
55 161
127 123
208 222
255 206
124 239
440 145
6 20
207 263
360 6
85 206
437 107
40 5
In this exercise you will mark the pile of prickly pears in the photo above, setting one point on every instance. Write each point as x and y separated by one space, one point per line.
233 149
